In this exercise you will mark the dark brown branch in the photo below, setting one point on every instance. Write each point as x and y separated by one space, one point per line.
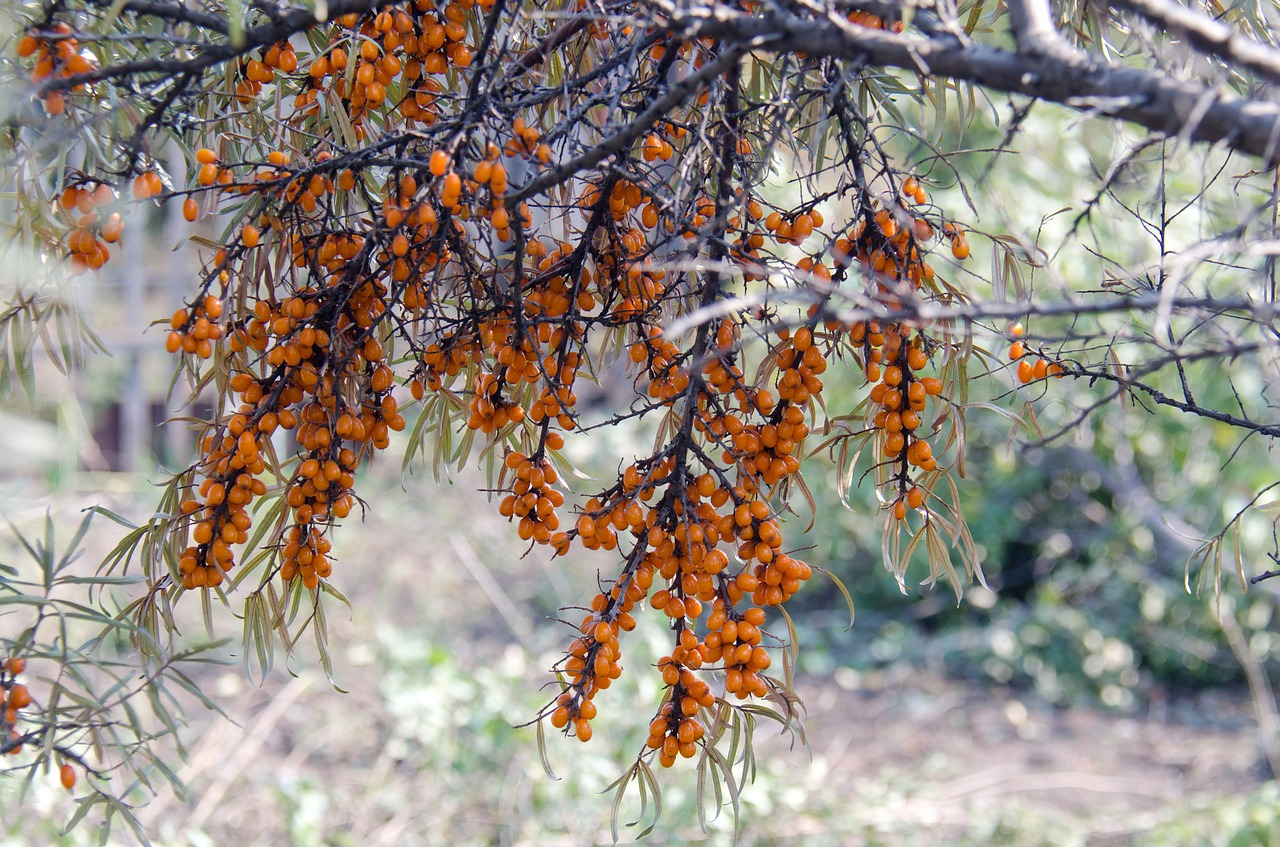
1147 98
173 12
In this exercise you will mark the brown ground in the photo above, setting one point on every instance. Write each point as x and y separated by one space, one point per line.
902 755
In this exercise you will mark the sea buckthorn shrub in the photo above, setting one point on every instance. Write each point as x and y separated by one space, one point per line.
444 217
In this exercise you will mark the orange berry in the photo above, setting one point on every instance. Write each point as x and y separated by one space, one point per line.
68 776
112 229
19 697
141 187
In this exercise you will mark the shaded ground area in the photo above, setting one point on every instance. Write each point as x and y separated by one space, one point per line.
445 650
979 747
898 761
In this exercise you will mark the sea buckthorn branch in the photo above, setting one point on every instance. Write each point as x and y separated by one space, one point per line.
851 306
438 209
1068 76
676 729
750 450
281 28
1130 384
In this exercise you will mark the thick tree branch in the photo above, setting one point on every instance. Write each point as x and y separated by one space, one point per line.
1031 22
1149 99
173 12
863 309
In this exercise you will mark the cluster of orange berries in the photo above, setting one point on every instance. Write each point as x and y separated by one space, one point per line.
413 43
253 73
557 398
735 641
57 55
667 379
765 452
232 466
90 232
303 353
1031 367
534 498
593 660
656 148
793 230
550 295
894 245
16 698
489 411
622 509
899 398
490 172
676 730
525 142
193 330
319 492
678 539
270 176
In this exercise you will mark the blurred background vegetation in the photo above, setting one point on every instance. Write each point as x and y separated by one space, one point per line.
1083 696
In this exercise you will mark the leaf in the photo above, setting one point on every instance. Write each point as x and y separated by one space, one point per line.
542 752
619 787
648 778
844 592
